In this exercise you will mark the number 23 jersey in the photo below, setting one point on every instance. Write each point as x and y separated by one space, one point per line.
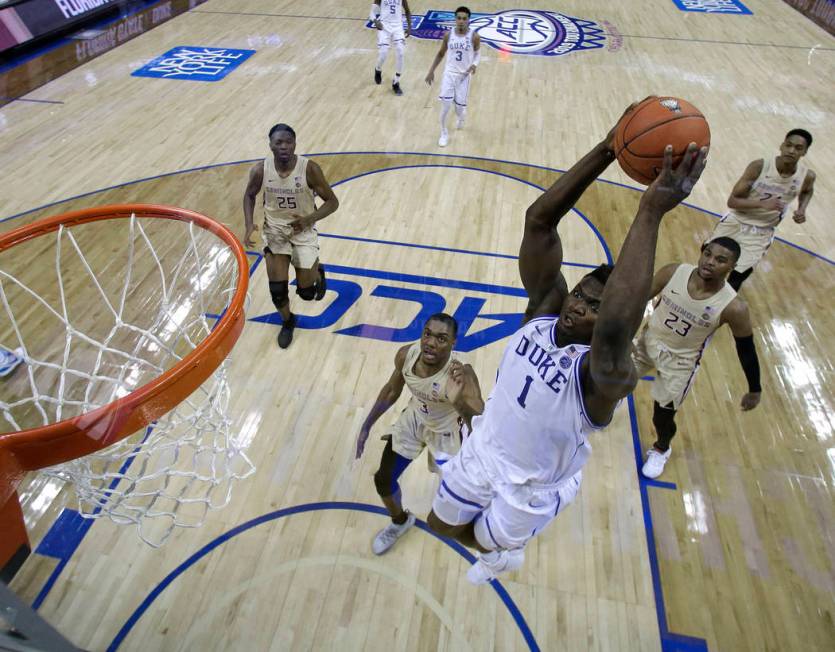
681 324
284 196
535 424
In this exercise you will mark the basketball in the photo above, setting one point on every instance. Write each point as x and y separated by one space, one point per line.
643 133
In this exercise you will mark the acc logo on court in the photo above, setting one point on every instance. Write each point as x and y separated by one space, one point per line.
520 31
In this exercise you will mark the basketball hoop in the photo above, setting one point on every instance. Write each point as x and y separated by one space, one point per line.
124 395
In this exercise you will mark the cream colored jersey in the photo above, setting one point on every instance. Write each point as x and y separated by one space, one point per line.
684 325
288 195
391 13
460 53
429 400
771 184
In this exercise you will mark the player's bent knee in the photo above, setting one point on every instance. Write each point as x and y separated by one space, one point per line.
307 294
279 291
385 483
440 527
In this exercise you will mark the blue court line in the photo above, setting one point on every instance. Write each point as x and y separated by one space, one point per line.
669 641
419 279
574 209
469 252
22 99
300 509
319 154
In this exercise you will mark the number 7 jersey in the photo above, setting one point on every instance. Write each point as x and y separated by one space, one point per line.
681 324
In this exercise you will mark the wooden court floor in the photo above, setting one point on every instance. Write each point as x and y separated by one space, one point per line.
732 551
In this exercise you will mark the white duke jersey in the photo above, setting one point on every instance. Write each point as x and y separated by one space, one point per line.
391 13
460 53
682 324
771 184
534 425
283 197
429 400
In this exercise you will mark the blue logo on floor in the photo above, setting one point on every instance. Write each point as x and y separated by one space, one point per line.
479 322
714 6
195 63
518 31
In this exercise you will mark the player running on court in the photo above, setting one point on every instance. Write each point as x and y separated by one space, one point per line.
462 49
387 16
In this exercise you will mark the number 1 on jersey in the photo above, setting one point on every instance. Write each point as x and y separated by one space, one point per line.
521 398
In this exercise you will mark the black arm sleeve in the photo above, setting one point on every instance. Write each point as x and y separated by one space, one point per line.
747 353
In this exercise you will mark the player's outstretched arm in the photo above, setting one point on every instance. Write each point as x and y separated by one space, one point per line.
737 316
430 76
608 373
464 392
540 255
253 187
385 399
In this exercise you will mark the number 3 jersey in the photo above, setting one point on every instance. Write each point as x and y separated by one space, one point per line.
288 195
681 324
534 427
429 399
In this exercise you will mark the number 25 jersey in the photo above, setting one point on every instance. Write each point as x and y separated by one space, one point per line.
285 196
684 325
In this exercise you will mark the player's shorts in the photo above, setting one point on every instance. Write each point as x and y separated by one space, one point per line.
455 87
507 516
390 34
409 436
303 247
674 374
753 240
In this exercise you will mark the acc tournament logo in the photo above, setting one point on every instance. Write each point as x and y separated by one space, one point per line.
519 31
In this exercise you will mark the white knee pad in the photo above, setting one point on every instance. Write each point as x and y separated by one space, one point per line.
399 49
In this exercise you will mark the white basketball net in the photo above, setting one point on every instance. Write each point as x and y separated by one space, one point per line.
152 302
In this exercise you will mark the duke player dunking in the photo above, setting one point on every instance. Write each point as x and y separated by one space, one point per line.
561 375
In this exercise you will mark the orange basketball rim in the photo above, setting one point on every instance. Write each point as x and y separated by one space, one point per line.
68 439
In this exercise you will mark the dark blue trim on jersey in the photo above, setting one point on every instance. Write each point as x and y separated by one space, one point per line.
463 501
490 531
300 509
